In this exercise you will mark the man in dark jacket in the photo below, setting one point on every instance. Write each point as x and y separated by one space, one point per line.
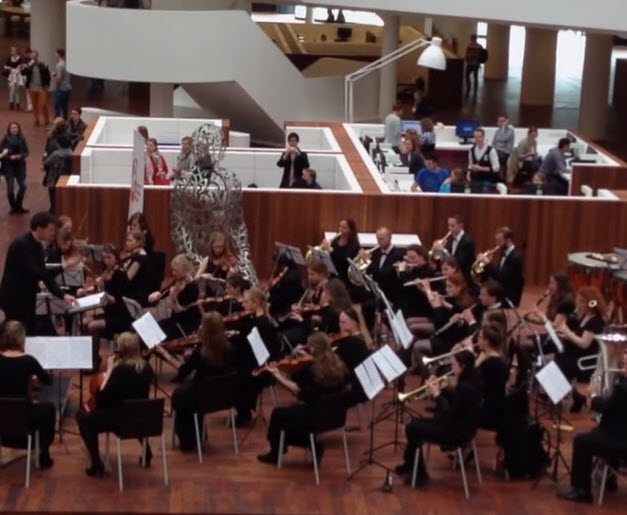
37 82
293 161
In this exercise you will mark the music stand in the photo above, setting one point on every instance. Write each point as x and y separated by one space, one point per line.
92 253
556 386
325 257
152 335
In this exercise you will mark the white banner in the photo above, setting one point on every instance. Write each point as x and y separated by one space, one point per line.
136 195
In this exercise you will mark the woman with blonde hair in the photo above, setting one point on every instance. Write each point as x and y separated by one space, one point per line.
218 264
325 375
127 377
213 357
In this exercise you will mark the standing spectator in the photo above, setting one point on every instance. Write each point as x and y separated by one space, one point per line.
503 140
473 62
76 126
430 178
524 162
12 70
143 131
554 166
394 128
26 60
293 161
14 152
427 136
185 161
483 161
56 164
59 127
37 77
62 86
156 168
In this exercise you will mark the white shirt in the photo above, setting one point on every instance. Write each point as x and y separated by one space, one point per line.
479 153
505 254
384 255
455 242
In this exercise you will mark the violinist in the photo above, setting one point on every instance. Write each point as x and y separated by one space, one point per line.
578 336
138 222
326 375
335 299
127 377
285 288
256 305
16 372
214 356
232 302
134 263
185 317
343 246
116 318
218 264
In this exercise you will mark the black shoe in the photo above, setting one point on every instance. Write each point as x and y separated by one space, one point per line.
269 457
242 420
96 470
21 210
148 457
421 479
402 469
576 495
14 211
611 484
45 461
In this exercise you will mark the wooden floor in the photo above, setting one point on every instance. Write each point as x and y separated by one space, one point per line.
227 483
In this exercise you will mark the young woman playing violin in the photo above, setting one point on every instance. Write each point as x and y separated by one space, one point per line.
134 263
218 264
127 376
138 222
116 318
325 375
185 317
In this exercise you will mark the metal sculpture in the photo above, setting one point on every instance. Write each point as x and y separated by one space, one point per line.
208 200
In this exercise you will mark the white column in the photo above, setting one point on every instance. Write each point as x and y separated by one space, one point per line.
47 28
593 107
161 100
498 52
538 73
428 27
388 74
309 18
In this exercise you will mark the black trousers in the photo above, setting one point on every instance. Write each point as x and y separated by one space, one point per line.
296 420
42 418
472 69
94 423
424 430
184 402
595 443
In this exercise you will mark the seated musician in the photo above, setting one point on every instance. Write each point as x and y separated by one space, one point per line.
116 317
324 376
578 337
127 377
218 264
508 271
138 222
382 269
353 347
64 251
134 263
185 317
256 306
16 372
490 295
335 299
285 288
213 357
455 419
606 441
448 267
415 266
234 288
561 303
345 245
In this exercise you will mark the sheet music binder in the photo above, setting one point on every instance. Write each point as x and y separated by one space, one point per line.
88 303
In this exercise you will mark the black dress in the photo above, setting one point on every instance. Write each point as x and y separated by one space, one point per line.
185 397
494 373
139 287
187 320
353 350
568 360
414 301
286 293
15 378
340 255
116 315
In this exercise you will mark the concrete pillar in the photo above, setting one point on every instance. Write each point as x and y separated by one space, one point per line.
498 52
595 86
309 16
47 28
388 74
161 100
428 27
538 73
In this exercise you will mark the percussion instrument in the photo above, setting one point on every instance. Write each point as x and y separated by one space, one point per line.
584 270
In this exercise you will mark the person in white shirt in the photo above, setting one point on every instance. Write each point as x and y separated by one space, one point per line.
483 161
394 128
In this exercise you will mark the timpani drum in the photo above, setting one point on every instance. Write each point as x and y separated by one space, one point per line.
586 271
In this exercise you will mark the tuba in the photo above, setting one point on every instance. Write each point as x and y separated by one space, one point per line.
361 264
478 267
436 256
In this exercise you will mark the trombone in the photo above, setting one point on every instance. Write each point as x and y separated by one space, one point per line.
436 256
423 390
478 267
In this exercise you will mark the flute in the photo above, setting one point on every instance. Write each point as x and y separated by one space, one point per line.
414 282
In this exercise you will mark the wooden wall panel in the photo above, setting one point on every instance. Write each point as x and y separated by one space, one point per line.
610 177
547 229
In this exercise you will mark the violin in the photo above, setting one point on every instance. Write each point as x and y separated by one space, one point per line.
128 254
287 365
274 281
185 342
235 318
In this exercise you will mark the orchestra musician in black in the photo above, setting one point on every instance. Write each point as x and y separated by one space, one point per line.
382 268
343 246
460 245
285 287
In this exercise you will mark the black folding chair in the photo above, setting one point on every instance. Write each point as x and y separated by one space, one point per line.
330 414
215 394
14 424
141 419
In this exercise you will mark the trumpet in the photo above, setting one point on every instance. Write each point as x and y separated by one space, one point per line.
414 282
478 267
436 256
423 390
435 359
361 264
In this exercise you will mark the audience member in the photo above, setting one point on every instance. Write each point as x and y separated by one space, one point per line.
14 152
76 126
37 81
483 161
394 128
155 168
13 72
456 183
473 62
503 140
524 160
58 163
62 86
293 161
185 161
310 177
421 108
554 166
412 158
430 178
427 136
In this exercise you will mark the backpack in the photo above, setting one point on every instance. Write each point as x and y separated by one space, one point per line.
483 55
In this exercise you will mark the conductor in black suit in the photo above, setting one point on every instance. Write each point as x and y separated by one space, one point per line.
24 268
459 245
508 271
382 268
293 161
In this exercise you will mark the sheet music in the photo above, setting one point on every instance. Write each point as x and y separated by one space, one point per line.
89 302
406 337
553 335
554 382
390 356
259 348
61 352
369 378
148 330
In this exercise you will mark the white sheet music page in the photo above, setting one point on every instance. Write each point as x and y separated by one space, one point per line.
370 387
80 352
61 352
148 330
554 382
259 348
373 373
553 335
384 366
405 335
37 347
390 356
95 300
